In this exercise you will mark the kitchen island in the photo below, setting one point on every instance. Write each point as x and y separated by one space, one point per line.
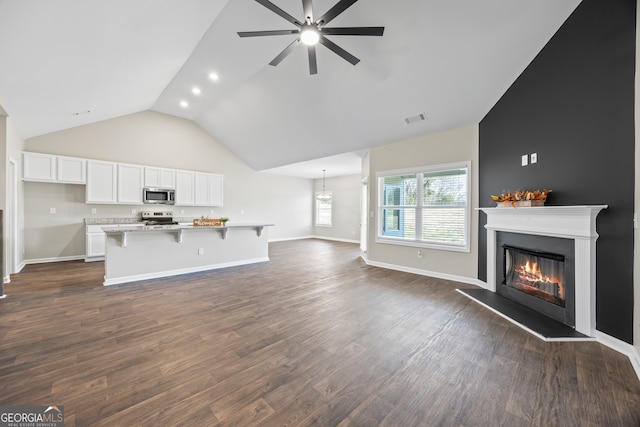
146 252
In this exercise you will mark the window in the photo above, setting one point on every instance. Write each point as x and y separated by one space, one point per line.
323 208
426 207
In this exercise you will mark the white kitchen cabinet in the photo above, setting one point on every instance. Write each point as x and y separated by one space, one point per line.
208 189
38 167
95 241
215 190
71 170
159 177
130 179
185 193
102 182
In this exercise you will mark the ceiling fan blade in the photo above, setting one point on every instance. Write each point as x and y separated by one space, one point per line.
336 10
308 9
313 63
353 31
266 33
339 51
275 9
287 50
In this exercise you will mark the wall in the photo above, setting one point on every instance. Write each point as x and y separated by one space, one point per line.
345 208
574 106
636 246
446 147
151 138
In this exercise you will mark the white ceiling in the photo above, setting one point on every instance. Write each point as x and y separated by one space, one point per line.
65 63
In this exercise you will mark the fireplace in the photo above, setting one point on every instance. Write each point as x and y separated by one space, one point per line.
537 272
561 241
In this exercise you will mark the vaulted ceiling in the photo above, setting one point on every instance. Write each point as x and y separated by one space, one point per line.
66 63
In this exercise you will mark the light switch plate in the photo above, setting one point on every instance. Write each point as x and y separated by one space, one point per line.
534 158
525 159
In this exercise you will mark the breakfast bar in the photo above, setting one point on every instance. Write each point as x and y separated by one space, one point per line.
134 253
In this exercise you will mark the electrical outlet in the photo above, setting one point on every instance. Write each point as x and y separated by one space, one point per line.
525 159
419 253
52 210
200 251
94 211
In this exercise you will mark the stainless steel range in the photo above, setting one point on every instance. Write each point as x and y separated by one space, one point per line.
158 218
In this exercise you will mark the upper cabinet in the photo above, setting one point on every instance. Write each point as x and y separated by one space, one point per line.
208 189
130 184
122 183
159 177
102 182
185 195
38 167
50 168
72 170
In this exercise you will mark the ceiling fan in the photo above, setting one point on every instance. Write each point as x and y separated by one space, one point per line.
312 31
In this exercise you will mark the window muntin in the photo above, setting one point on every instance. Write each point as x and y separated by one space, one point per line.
426 207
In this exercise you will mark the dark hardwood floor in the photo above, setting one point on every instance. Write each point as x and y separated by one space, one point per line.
314 337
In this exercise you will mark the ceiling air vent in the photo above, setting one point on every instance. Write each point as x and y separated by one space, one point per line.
417 118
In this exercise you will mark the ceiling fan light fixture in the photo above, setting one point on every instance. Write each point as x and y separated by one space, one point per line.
309 35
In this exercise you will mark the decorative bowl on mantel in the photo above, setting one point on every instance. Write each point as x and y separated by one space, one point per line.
519 198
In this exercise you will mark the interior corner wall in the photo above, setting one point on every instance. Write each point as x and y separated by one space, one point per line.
452 146
574 107
345 208
636 249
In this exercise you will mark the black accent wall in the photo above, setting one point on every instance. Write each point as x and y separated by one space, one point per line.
574 106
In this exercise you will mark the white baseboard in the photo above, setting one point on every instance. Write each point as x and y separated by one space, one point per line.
52 259
621 347
180 271
336 239
436 274
634 357
286 239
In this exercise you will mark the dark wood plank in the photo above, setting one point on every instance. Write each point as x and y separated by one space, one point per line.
313 337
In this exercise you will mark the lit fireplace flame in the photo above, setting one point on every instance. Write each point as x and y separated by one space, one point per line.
529 274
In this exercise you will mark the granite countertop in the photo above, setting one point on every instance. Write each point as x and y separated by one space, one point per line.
112 221
130 220
120 228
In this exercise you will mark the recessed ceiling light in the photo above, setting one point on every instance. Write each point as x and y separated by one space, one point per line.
214 77
196 91
184 104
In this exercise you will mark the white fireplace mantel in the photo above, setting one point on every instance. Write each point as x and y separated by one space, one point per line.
570 222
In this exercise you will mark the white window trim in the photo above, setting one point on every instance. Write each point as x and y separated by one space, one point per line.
417 243
315 201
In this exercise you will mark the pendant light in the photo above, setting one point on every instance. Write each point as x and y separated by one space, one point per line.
324 196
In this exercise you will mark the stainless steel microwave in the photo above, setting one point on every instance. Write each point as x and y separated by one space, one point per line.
161 196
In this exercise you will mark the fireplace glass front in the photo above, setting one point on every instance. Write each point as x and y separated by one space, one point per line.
535 273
